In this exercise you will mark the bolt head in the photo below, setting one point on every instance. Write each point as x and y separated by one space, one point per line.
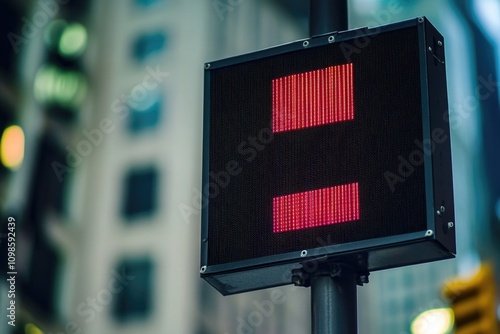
297 280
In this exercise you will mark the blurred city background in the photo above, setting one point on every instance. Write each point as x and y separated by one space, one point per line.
101 131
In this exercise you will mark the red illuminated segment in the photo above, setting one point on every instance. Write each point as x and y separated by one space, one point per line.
313 98
316 208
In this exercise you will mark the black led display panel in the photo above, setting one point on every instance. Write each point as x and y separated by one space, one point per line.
310 146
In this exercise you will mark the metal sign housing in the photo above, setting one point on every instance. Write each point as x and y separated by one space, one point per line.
334 148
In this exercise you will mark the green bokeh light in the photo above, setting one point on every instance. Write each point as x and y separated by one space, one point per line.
73 40
63 87
68 38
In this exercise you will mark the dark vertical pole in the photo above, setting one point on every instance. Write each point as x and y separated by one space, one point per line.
326 16
334 303
333 295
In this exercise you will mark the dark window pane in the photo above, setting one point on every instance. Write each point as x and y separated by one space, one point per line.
146 3
11 43
149 44
408 277
145 114
140 192
41 282
50 180
393 306
134 302
409 304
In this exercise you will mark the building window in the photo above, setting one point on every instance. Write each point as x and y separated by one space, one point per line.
409 304
393 306
50 180
134 301
149 44
147 3
145 114
41 280
140 195
408 277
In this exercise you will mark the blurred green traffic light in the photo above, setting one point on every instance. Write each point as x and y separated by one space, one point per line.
73 40
62 87
69 39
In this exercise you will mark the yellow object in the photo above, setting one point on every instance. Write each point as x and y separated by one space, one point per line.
32 329
12 147
473 302
435 321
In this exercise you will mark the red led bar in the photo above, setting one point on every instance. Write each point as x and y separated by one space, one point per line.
316 208
313 98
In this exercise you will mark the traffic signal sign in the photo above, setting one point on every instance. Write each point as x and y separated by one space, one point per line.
61 84
334 147
474 302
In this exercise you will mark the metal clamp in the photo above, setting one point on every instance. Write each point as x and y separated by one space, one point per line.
302 276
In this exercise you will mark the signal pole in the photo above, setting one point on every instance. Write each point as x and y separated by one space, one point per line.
327 16
334 300
333 288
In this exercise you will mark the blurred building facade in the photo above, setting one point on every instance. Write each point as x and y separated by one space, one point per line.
395 297
104 246
111 153
113 123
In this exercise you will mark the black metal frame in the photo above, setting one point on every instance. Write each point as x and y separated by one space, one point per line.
435 243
